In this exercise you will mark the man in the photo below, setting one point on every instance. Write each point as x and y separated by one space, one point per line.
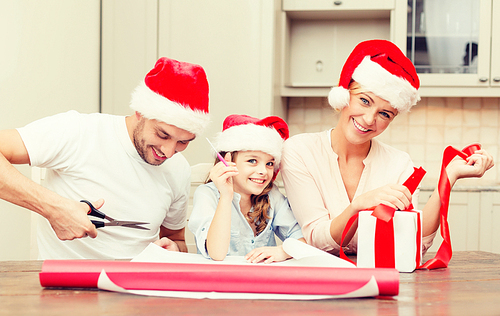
127 166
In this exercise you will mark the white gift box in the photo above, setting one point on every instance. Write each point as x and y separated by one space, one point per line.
407 240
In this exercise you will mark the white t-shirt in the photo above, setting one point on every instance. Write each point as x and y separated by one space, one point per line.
91 156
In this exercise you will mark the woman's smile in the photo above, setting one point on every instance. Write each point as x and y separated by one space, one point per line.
359 127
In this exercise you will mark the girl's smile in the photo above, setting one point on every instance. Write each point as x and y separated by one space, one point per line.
258 181
256 170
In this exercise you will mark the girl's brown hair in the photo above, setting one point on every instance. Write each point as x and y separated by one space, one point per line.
260 202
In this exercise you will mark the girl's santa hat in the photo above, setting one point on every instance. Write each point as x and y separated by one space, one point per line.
246 133
379 67
176 93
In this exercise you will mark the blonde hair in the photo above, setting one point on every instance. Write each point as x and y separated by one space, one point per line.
355 88
260 203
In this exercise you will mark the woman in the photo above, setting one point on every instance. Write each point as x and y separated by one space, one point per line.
332 175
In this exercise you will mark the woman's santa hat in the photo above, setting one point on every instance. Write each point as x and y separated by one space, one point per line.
246 133
379 67
176 93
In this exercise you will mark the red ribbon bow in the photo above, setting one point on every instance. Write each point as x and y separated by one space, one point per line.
384 234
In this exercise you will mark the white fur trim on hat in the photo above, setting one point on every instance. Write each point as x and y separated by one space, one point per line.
151 105
339 98
251 137
396 90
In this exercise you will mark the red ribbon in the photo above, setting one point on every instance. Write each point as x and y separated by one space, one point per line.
384 233
444 253
385 256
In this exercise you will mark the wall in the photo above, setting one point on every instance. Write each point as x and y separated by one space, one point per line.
432 124
49 63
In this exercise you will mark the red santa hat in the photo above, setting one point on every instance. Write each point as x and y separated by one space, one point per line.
176 93
379 67
246 133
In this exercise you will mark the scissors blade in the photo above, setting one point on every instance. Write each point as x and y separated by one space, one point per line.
135 226
129 224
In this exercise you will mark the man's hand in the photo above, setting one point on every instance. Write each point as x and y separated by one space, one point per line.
68 218
175 236
72 222
168 244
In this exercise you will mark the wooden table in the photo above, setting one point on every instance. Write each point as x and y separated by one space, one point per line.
470 286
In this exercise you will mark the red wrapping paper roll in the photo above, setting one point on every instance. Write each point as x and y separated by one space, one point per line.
217 278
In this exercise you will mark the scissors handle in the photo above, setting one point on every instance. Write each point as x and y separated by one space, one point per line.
98 224
93 211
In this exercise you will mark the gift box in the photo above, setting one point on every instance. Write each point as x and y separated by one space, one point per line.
396 243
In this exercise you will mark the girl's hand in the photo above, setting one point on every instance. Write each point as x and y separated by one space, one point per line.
221 175
267 254
394 195
474 167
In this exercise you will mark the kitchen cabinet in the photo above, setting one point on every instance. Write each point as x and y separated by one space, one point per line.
454 45
473 215
317 37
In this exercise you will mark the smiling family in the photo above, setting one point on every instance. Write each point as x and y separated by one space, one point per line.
132 163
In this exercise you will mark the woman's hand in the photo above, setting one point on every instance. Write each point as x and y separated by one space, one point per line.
394 195
474 167
221 175
267 254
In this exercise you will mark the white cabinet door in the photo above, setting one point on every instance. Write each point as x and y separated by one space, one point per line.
319 5
233 42
318 36
129 50
450 42
495 45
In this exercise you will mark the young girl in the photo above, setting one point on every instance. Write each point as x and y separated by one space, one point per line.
332 175
240 209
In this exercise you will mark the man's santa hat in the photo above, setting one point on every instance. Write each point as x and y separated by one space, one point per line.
176 93
246 133
379 67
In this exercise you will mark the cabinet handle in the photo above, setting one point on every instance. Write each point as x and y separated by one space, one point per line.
496 79
337 2
319 66
483 79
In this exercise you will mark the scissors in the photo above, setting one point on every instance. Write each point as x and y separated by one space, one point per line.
112 222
